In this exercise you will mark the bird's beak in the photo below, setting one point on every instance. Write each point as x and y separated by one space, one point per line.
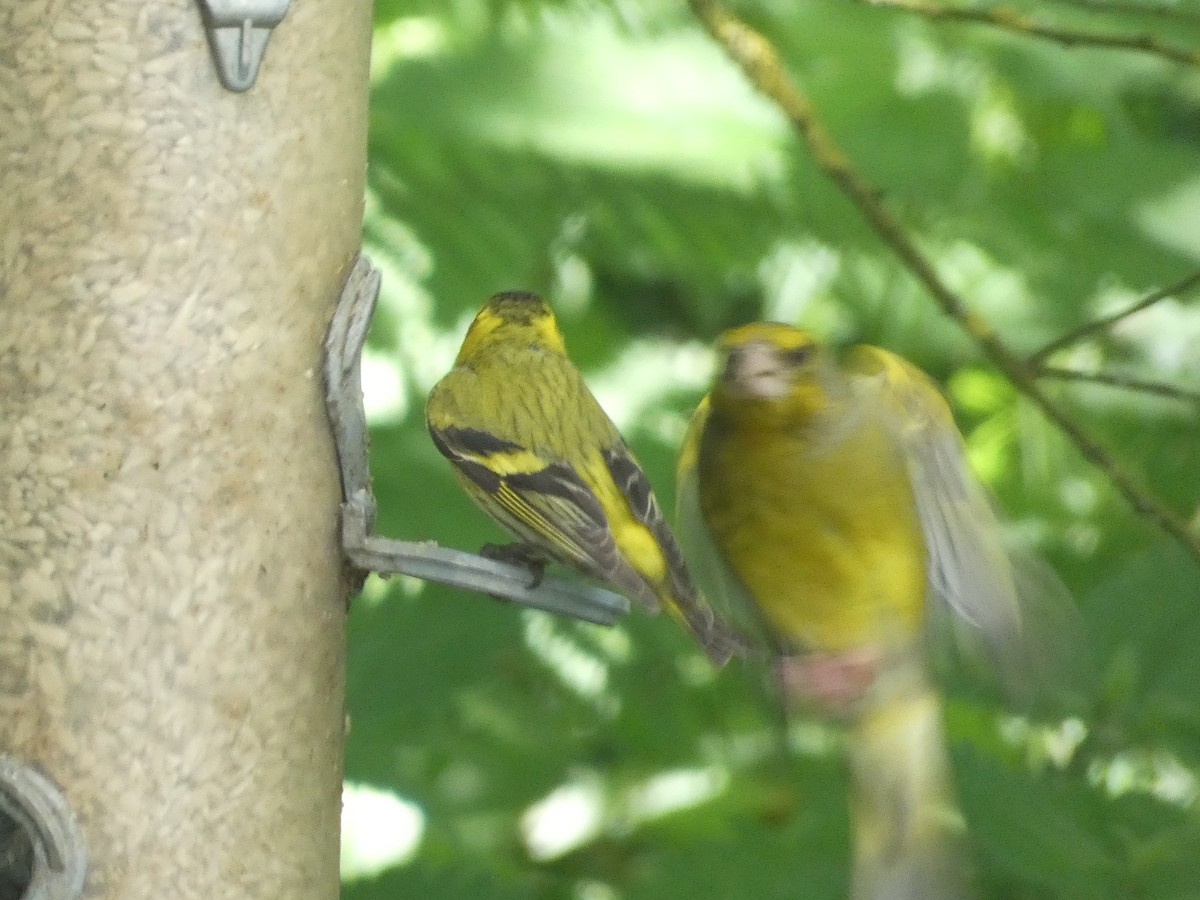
754 369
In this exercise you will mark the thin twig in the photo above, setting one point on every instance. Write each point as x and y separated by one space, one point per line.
758 59
1158 388
1009 19
1088 328
1116 8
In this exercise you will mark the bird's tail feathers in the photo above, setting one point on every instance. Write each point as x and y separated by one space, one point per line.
909 837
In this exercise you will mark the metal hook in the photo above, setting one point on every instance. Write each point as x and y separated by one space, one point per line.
36 806
238 31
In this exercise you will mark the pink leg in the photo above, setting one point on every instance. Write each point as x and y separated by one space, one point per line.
831 681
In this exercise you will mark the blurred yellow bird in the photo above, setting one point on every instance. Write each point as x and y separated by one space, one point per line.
533 448
834 499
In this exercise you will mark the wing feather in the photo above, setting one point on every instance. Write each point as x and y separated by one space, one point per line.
968 567
719 640
545 503
1003 600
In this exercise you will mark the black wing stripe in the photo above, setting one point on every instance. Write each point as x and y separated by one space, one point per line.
554 508
481 475
470 440
631 481
582 520
588 523
719 640
633 484
584 539
560 480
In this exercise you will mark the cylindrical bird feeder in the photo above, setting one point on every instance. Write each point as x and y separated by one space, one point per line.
171 600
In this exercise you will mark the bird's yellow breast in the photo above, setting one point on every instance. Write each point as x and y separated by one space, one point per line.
820 528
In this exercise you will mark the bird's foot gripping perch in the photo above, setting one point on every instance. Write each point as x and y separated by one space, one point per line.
526 555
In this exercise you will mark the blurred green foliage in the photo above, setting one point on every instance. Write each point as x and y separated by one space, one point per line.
607 155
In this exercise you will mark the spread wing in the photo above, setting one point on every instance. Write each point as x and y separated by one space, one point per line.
1011 601
719 640
544 502
968 567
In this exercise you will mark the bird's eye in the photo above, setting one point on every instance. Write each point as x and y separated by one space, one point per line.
798 356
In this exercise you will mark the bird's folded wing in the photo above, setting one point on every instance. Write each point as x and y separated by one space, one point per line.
719 640
545 502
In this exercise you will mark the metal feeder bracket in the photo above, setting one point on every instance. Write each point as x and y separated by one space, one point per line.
238 31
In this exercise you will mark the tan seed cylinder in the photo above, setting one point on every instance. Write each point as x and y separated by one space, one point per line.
171 615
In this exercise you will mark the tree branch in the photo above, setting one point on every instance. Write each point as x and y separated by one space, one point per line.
1117 8
1008 19
1110 379
758 59
1088 328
